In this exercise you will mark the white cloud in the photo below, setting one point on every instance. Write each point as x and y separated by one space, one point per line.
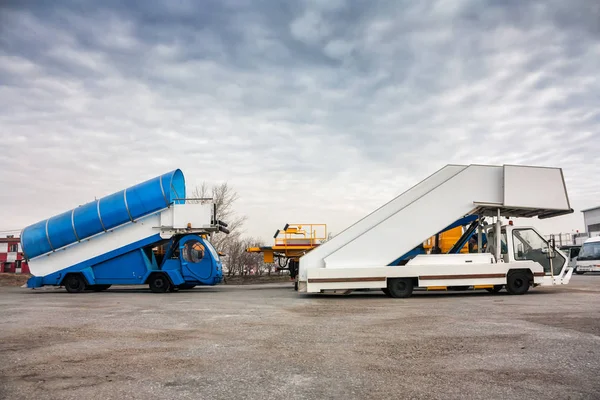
314 114
310 28
338 48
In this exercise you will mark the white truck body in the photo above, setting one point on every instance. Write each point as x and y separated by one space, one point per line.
362 256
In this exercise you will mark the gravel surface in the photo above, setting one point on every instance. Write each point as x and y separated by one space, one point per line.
269 342
10 279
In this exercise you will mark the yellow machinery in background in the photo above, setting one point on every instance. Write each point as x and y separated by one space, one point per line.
445 241
291 243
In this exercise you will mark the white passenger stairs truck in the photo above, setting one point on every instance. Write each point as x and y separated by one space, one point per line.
366 254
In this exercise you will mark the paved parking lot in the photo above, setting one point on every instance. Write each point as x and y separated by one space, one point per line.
233 342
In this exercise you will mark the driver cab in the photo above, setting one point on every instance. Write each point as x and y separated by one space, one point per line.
526 244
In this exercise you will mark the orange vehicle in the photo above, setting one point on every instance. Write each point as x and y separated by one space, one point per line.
291 243
445 241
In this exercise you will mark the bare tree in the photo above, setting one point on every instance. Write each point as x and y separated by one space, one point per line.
234 259
237 260
253 262
224 197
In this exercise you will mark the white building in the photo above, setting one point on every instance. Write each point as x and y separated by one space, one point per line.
591 218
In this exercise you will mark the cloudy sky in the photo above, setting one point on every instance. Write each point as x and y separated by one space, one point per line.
314 111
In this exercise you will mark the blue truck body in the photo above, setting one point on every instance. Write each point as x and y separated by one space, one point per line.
128 256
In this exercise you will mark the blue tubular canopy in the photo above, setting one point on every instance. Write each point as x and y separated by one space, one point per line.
106 213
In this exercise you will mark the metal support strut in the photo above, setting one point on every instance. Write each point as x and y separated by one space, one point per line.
498 238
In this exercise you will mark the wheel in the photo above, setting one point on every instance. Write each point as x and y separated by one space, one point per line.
578 272
74 283
293 268
159 283
400 287
99 288
517 283
495 289
296 286
386 291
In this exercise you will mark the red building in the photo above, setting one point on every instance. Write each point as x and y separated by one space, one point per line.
11 256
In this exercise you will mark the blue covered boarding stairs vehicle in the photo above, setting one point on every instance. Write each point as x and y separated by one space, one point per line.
146 234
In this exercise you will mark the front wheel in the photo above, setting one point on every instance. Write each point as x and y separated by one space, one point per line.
159 283
517 283
74 283
400 288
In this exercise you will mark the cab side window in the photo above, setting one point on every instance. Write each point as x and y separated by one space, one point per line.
193 251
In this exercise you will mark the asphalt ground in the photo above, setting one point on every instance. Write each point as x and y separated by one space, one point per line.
269 342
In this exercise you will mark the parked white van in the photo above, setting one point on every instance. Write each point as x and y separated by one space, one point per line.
588 259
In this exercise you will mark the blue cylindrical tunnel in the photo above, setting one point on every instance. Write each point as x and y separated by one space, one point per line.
101 215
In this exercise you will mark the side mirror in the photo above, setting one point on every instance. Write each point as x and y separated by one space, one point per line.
520 253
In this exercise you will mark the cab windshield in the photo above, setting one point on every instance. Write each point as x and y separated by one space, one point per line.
212 250
589 251
529 245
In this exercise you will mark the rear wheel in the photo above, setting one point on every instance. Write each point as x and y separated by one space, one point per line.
517 282
495 289
578 272
159 283
74 283
400 287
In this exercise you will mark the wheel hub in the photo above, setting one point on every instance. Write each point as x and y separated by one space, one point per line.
518 283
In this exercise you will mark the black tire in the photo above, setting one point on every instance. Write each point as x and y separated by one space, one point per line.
386 291
579 272
400 288
518 282
159 283
293 266
495 289
74 283
296 286
99 288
